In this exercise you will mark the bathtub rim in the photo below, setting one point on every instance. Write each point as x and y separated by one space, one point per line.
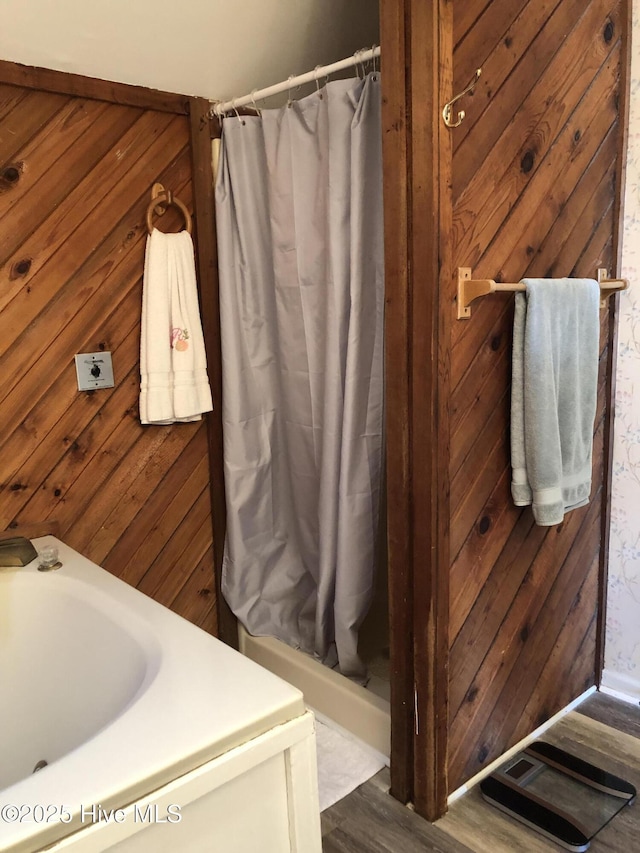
211 731
136 629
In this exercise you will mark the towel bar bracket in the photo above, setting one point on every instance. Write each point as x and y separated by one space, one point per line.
608 286
470 288
156 190
161 200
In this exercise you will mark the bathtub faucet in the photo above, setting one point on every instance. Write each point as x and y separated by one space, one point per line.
16 551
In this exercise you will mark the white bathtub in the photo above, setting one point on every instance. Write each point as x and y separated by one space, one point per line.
157 736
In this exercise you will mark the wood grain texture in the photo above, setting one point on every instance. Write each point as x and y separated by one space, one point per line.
370 821
535 171
78 170
481 827
207 259
622 716
416 39
47 80
396 130
430 86
618 226
601 730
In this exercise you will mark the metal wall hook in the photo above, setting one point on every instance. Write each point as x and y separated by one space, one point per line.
447 110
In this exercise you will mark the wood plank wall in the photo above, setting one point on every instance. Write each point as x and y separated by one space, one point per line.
75 178
535 166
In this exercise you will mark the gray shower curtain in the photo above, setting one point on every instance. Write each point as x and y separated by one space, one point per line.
299 220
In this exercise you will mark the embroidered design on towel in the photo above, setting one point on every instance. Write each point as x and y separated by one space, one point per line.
180 339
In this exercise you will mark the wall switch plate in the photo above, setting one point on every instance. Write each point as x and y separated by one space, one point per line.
94 370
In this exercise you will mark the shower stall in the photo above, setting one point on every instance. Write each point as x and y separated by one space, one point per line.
298 200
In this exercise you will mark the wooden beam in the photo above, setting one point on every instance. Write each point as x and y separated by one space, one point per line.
432 300
395 152
416 43
207 259
60 82
618 232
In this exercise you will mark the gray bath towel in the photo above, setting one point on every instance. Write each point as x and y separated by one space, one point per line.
553 395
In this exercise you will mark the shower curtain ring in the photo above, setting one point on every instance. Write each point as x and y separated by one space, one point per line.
356 56
253 101
290 80
235 109
316 71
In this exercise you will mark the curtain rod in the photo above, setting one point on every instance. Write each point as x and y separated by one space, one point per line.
360 56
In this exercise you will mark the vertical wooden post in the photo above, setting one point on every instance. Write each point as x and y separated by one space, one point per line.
612 351
207 259
396 132
431 28
416 41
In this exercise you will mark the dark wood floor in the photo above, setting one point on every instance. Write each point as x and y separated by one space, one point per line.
604 731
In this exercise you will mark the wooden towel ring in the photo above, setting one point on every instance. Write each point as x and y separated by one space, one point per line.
160 200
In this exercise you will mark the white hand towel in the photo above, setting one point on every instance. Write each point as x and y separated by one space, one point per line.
554 394
174 386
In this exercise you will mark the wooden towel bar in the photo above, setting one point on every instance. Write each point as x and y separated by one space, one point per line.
470 289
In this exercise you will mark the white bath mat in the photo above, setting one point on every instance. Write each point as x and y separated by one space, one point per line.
344 762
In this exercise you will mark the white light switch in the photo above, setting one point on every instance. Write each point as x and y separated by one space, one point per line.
94 370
